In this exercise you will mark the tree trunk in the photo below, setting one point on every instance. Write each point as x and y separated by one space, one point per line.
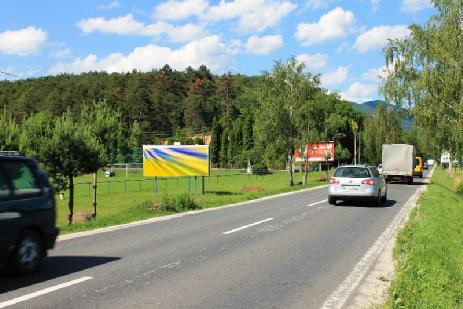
71 199
306 173
94 195
290 171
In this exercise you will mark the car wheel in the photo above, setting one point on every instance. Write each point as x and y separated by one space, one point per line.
331 200
379 199
28 253
384 198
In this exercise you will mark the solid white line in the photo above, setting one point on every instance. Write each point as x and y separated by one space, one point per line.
316 203
180 215
43 292
344 291
246 226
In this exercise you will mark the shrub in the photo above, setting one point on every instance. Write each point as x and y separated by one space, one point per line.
179 203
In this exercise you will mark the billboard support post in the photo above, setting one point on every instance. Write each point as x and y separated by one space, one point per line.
156 184
203 185
189 185
196 192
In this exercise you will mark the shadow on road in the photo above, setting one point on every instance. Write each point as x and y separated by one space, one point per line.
387 204
52 267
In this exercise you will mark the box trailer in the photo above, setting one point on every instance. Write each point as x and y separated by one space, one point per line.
398 162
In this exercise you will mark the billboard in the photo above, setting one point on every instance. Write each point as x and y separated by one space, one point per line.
318 152
185 160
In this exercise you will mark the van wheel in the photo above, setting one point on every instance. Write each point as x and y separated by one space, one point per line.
331 201
28 253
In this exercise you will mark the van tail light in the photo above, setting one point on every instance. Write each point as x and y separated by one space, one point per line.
333 180
369 182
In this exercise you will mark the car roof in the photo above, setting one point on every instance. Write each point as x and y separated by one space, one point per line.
356 165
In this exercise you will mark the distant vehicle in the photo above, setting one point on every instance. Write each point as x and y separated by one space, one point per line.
380 169
264 171
357 182
425 166
418 170
27 214
430 162
398 162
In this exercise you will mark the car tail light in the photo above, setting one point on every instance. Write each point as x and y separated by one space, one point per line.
369 182
334 180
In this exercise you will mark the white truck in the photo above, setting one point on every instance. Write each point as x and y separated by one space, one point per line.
398 162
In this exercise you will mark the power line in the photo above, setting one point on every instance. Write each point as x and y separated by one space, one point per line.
6 73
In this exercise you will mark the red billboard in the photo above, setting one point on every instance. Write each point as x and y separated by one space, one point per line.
318 152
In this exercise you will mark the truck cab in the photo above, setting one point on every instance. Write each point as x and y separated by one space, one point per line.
418 170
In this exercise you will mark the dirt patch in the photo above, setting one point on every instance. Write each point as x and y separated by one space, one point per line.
251 188
81 216
153 206
322 178
458 184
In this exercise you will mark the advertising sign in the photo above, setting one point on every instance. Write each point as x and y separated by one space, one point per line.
445 157
185 160
319 152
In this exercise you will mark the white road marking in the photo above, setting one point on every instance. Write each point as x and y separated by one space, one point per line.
246 226
316 203
344 291
180 215
20 299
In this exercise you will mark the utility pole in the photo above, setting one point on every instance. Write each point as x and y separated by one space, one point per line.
355 148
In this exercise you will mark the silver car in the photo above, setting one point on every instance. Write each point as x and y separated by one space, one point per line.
357 182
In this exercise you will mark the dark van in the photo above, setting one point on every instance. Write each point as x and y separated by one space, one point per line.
27 214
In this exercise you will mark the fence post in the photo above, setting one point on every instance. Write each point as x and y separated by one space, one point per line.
202 186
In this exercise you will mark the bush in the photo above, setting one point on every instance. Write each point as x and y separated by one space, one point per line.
179 203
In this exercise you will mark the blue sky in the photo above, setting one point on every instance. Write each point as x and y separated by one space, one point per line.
342 40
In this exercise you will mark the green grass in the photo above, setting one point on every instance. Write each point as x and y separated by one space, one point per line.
429 251
121 201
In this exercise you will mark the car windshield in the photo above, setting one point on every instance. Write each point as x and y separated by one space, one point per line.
352 172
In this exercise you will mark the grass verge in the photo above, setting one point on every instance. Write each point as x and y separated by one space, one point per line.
429 250
120 203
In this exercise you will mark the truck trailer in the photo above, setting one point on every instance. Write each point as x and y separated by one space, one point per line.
398 162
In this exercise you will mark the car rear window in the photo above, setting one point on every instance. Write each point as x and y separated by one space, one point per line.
22 178
352 172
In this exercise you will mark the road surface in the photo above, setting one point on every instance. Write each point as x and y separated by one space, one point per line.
287 252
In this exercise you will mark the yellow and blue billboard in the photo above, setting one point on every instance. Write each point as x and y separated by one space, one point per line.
185 160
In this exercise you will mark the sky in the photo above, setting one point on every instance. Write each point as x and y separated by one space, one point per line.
341 40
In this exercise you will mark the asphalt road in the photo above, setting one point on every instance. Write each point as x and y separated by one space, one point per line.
286 252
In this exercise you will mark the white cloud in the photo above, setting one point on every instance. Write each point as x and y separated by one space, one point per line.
377 37
375 5
22 42
61 53
335 78
375 74
110 6
209 51
176 10
359 92
263 45
127 25
312 62
253 15
415 5
335 24
318 4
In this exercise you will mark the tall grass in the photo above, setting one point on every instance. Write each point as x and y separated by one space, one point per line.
429 251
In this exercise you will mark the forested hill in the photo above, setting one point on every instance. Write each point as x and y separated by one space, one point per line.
161 100
249 117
